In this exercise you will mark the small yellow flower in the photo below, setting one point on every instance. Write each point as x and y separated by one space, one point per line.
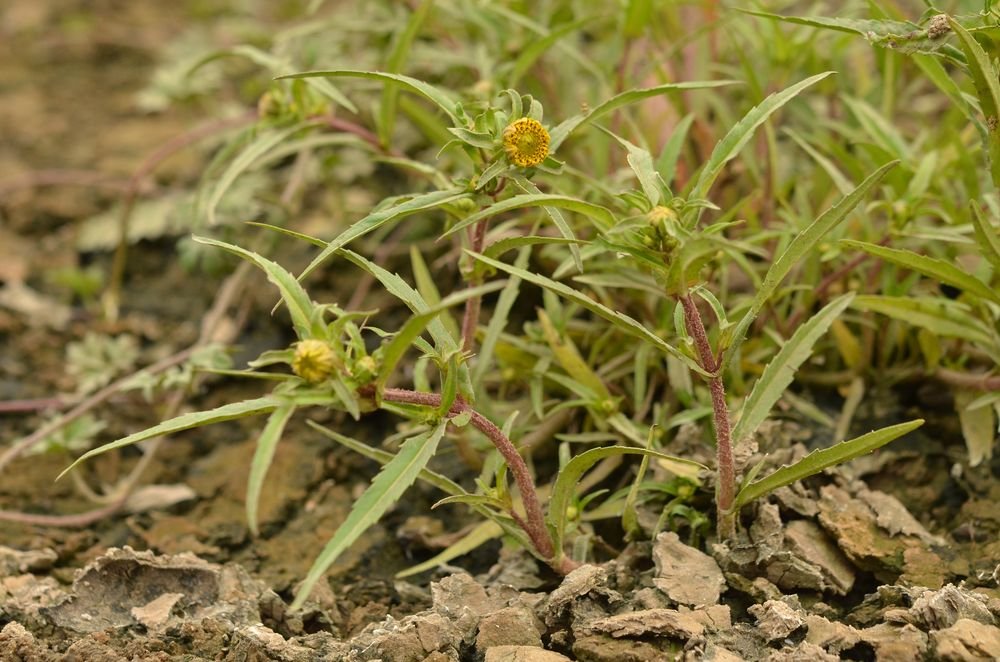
526 142
313 360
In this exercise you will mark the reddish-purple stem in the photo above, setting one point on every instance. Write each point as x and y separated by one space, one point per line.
723 432
534 523
474 305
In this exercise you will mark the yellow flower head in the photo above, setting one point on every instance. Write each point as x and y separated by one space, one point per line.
526 142
313 360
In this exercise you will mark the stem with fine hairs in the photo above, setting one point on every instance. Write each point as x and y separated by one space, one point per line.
726 478
533 522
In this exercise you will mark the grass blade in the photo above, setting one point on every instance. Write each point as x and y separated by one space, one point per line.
384 491
267 443
821 459
781 370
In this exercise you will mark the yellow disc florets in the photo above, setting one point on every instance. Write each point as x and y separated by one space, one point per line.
313 360
526 142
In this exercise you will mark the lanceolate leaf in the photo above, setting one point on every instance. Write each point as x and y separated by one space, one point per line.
397 58
941 316
186 422
802 244
620 320
821 459
987 237
439 481
418 203
445 342
395 348
939 270
300 306
563 130
261 145
565 486
267 442
384 491
781 370
987 89
597 212
433 94
742 131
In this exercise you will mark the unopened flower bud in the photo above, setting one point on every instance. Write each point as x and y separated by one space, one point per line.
313 360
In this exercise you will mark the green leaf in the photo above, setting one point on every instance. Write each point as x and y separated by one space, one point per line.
394 64
568 126
938 315
596 212
564 228
569 358
987 237
987 85
267 442
300 306
899 36
666 164
446 344
384 491
260 146
821 459
185 422
620 320
433 478
878 128
473 500
537 47
498 321
798 247
428 289
498 248
429 92
742 131
417 204
780 372
564 488
641 162
481 534
939 270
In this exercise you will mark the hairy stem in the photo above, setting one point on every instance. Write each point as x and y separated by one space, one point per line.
534 522
723 431
470 320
